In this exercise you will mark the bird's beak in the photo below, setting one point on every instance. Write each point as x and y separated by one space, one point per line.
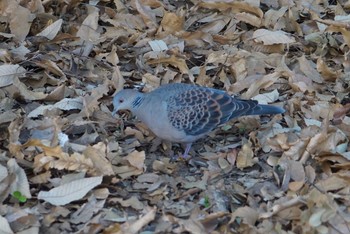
114 112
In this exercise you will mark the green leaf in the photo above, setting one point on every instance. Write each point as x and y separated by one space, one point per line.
206 202
22 199
17 194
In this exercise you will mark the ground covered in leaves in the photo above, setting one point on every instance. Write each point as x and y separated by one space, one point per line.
68 166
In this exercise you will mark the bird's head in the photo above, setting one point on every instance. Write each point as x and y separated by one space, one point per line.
126 99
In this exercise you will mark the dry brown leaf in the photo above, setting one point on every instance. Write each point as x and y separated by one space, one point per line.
51 66
134 132
248 18
19 18
332 183
9 72
97 154
131 202
137 159
7 117
151 81
197 39
51 31
341 112
308 68
57 94
26 93
126 171
172 23
268 37
163 166
41 178
272 16
235 7
88 30
245 157
117 79
249 216
148 16
70 191
135 227
326 71
216 26
263 83
180 63
260 47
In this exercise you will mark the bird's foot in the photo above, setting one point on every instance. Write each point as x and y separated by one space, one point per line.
180 157
184 156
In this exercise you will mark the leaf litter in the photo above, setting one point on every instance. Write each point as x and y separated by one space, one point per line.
81 170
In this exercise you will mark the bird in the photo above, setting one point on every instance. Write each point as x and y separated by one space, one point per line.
184 113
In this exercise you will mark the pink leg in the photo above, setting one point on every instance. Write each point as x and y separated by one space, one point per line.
187 150
184 155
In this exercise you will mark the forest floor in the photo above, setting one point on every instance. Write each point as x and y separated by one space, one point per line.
68 166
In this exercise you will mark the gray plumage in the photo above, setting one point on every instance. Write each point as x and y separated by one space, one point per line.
184 113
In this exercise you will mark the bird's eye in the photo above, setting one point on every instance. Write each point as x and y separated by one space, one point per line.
121 100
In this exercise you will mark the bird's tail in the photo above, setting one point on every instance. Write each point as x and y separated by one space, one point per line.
265 110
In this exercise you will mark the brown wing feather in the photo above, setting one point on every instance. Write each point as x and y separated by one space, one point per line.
199 110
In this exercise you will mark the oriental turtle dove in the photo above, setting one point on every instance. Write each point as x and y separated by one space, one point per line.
184 113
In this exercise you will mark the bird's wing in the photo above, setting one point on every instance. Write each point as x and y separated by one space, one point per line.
198 111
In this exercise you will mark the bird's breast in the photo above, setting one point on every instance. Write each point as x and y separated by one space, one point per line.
157 120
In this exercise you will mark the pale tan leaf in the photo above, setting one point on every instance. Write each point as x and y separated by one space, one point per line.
69 192
64 104
245 157
172 23
234 6
163 166
151 81
88 29
26 93
326 72
137 159
131 202
127 171
9 72
158 45
7 117
309 69
272 16
41 178
216 26
69 104
260 47
117 79
21 184
249 215
316 218
51 67
136 226
51 31
147 14
180 63
5 226
248 18
265 82
266 98
20 21
74 162
268 37
97 154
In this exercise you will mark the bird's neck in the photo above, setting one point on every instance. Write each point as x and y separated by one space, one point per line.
137 104
140 108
